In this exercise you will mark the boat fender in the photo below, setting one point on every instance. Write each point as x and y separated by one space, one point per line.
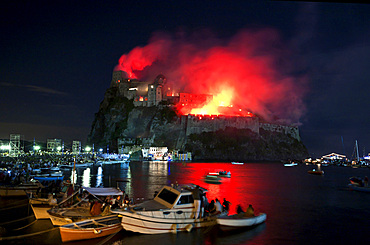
97 231
189 227
174 228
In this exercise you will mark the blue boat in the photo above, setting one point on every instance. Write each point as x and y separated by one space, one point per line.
48 178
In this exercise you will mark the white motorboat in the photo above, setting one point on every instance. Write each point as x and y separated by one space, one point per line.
237 163
238 221
170 211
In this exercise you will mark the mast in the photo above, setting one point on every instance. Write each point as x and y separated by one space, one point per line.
358 158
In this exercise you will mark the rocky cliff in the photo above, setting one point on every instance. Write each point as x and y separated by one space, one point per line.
118 118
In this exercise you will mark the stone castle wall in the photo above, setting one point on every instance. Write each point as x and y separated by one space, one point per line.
198 124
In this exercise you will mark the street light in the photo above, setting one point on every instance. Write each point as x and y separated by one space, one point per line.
87 148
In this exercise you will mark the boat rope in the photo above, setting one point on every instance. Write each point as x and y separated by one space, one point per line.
12 221
68 198
25 225
26 235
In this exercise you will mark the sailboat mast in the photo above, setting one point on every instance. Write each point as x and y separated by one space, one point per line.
358 158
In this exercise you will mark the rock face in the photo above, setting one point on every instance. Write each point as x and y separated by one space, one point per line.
118 118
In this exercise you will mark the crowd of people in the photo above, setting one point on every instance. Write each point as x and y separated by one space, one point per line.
203 208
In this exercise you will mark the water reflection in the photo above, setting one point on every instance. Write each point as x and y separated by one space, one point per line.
86 177
99 176
210 235
73 176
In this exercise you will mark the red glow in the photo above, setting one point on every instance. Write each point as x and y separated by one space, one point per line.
242 73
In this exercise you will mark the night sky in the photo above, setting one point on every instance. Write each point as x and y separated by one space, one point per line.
57 59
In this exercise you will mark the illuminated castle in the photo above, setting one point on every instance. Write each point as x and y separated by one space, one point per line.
152 93
147 94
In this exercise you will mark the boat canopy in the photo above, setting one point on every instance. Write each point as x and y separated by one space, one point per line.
108 191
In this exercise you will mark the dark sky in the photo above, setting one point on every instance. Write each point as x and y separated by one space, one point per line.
57 59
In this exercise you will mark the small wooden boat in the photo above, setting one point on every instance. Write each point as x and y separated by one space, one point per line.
237 221
91 228
316 172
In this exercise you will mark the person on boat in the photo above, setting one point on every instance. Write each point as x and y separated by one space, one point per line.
226 205
239 209
96 209
205 203
212 207
196 197
218 206
250 211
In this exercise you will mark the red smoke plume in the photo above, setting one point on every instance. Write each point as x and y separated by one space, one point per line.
249 72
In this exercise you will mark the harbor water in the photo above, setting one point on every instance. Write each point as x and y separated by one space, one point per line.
301 208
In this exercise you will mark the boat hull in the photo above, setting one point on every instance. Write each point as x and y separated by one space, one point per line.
149 224
236 222
90 229
359 188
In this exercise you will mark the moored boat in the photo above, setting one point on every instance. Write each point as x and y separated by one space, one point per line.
19 190
359 188
316 172
212 179
90 229
221 173
170 211
238 221
60 215
238 163
356 181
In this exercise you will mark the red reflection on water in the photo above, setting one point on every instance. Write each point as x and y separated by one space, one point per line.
239 189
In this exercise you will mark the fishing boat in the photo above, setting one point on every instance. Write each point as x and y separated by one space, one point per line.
79 211
170 211
238 221
90 229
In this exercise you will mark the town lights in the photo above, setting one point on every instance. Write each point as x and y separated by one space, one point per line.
36 147
5 147
59 148
87 148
